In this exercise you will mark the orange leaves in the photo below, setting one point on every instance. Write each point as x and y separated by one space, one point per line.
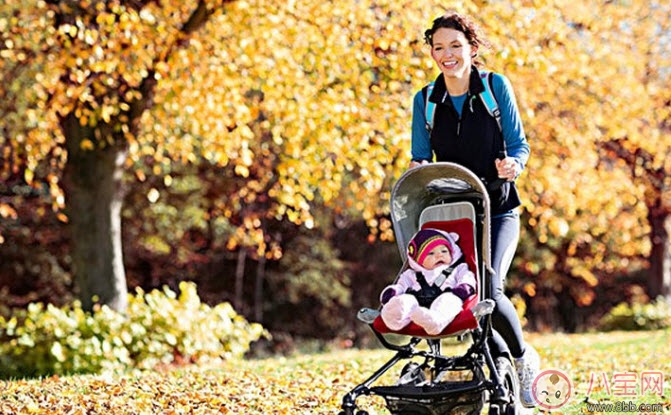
582 95
309 101
316 383
86 145
6 211
316 86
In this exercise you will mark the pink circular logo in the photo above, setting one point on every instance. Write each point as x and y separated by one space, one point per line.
551 389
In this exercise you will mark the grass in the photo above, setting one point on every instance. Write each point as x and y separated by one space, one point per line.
316 383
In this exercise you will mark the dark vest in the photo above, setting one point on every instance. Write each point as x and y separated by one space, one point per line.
474 141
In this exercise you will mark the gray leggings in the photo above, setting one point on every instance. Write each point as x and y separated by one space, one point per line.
505 233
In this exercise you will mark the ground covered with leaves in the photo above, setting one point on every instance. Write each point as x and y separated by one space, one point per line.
597 363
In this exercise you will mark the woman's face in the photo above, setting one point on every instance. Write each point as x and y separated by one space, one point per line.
452 52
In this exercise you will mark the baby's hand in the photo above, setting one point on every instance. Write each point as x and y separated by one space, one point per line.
387 295
463 291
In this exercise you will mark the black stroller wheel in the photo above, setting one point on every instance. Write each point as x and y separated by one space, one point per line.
351 412
412 374
511 384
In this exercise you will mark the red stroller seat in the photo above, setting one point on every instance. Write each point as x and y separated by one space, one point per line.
465 320
451 198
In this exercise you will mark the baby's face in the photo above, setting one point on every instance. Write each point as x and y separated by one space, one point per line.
438 256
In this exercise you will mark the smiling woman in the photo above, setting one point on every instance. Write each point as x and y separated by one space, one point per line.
454 47
490 143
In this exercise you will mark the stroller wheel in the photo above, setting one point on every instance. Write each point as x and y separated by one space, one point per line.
512 405
351 412
411 374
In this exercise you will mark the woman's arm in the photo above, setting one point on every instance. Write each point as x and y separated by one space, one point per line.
420 143
517 146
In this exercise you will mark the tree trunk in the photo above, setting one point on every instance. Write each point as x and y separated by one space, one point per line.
258 289
92 183
239 279
659 280
659 214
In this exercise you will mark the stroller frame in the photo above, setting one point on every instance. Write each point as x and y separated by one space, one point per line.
417 201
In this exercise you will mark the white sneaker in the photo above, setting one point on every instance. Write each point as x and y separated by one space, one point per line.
528 367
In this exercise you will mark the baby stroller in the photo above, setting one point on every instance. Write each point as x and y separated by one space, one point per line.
450 197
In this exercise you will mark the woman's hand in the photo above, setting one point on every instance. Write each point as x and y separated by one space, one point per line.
508 168
414 163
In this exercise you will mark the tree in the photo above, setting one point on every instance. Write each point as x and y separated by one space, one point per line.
124 83
643 148
91 69
110 82
587 74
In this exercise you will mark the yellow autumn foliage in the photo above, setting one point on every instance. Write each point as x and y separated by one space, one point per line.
332 85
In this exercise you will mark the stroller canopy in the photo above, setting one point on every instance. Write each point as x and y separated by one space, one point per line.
429 184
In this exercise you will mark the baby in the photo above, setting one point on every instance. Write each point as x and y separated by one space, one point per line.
432 291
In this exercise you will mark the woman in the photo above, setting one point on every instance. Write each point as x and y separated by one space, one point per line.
462 131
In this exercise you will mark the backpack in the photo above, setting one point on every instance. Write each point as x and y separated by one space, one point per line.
487 97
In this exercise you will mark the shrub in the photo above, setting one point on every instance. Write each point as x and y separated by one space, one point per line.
162 327
159 327
638 316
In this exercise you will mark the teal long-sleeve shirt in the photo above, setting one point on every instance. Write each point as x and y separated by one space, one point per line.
511 123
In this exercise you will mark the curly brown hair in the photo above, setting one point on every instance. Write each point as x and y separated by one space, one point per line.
456 21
